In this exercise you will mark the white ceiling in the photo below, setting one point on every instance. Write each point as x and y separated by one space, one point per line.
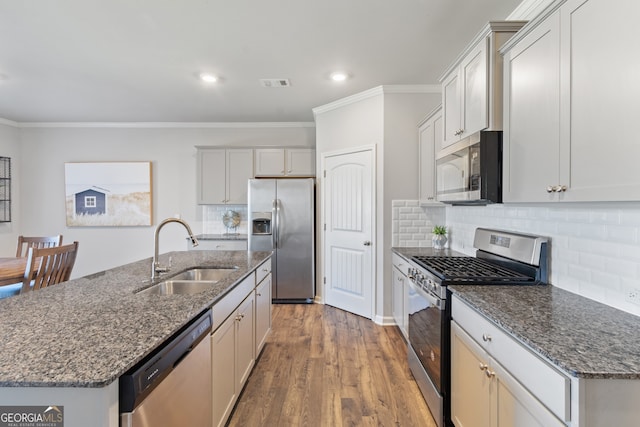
138 60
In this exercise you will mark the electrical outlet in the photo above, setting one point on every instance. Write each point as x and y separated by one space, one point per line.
633 295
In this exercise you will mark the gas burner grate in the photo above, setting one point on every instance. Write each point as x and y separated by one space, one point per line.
469 269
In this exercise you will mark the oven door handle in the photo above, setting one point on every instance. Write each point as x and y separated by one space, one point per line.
432 299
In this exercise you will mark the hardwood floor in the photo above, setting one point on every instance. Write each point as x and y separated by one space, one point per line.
326 367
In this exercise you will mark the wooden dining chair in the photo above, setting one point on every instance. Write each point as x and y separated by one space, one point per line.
24 243
48 266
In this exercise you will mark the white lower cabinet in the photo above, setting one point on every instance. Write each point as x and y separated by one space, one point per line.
397 298
400 291
232 358
484 394
263 312
241 325
497 382
223 363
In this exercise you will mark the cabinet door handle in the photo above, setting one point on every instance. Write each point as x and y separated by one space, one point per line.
483 366
366 243
258 294
486 337
490 374
556 189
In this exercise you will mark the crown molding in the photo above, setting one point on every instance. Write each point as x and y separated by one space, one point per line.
376 91
9 123
529 9
168 125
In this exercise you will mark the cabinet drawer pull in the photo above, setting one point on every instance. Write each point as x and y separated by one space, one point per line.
486 337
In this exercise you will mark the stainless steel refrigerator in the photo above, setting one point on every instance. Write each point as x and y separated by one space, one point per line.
281 219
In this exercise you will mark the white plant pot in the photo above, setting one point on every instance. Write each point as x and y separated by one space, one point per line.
439 241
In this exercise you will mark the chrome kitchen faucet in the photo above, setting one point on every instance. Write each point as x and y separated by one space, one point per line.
155 266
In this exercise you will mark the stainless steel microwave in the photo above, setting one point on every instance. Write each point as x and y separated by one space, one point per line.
469 172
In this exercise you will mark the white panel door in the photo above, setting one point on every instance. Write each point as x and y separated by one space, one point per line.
348 213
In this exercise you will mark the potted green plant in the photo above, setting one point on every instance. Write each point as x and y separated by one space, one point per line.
439 238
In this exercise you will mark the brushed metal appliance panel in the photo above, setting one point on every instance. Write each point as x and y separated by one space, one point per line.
295 239
183 397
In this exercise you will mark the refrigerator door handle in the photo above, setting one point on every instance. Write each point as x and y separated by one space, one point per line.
274 215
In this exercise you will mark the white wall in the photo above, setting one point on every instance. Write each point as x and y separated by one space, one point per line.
398 175
10 147
172 153
385 117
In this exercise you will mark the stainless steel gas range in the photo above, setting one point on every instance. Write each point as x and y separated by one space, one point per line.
502 258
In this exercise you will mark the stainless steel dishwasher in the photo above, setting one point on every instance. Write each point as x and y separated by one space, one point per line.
172 386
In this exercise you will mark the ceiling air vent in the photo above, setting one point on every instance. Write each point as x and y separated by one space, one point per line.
275 82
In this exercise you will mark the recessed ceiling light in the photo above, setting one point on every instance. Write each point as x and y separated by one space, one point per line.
339 76
208 78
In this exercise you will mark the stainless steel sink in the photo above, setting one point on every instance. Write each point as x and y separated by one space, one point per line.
183 287
215 274
190 282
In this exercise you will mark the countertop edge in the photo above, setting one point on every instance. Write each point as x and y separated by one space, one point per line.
191 312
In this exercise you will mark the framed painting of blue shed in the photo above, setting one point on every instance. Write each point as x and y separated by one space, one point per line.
108 194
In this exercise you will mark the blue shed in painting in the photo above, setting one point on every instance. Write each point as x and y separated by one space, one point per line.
91 202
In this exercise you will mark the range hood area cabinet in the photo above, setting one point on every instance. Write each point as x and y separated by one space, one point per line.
429 143
279 162
472 85
222 175
571 90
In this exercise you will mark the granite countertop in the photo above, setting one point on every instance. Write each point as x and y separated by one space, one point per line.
222 236
88 331
583 337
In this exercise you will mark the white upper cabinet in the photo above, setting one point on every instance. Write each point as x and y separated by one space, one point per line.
532 108
472 86
222 175
430 141
571 87
285 162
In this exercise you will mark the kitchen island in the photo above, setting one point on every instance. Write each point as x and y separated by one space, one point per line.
67 345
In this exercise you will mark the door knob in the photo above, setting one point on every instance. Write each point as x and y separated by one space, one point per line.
367 243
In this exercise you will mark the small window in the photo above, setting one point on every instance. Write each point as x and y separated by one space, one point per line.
89 201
